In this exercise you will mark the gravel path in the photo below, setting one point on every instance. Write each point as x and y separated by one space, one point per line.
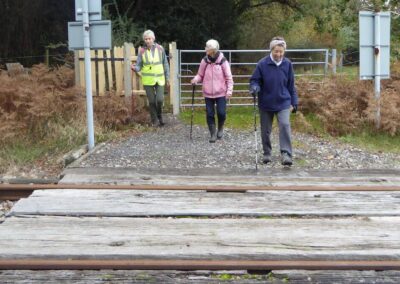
170 147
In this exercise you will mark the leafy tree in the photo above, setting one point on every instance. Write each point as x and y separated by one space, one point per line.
190 23
28 26
123 27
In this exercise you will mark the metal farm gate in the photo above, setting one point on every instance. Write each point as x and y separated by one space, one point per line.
306 62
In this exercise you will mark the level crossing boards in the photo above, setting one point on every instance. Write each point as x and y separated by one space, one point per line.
124 227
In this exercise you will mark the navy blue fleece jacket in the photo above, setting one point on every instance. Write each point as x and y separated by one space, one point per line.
275 85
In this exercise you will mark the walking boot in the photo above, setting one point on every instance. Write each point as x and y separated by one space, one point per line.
266 158
213 133
220 132
286 159
160 119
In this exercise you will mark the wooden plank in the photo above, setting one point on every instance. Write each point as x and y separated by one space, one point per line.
100 66
93 70
127 75
108 67
342 277
201 277
113 76
375 238
77 68
96 64
129 276
73 202
119 70
82 69
274 177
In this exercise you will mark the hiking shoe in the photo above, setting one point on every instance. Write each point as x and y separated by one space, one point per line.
266 159
286 159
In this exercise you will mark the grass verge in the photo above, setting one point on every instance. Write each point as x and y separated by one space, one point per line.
243 118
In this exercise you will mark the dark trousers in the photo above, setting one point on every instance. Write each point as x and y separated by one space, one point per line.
221 110
155 96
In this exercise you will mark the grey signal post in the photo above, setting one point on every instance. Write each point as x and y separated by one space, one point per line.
88 73
89 32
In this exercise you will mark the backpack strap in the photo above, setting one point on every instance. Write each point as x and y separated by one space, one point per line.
217 63
142 49
222 61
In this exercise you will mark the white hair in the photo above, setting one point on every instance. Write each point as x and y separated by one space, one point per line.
212 44
277 41
149 33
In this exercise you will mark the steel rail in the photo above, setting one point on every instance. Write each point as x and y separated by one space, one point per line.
193 264
202 187
17 191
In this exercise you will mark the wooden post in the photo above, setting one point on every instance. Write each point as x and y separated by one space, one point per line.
107 82
114 80
341 62
47 56
96 68
128 76
334 61
77 68
174 77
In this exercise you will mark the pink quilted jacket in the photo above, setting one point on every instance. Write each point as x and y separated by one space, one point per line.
216 78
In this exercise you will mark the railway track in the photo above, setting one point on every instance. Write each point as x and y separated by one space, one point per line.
190 264
17 191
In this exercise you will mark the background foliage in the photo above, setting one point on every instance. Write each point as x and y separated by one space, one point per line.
28 27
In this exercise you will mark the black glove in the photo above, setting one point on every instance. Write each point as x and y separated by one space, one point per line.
294 110
253 92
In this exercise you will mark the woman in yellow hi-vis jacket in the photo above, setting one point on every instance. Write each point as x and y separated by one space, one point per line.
153 64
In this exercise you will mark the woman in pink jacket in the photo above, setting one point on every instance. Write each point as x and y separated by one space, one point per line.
215 74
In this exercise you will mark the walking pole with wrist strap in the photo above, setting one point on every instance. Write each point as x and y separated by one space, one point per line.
191 119
255 129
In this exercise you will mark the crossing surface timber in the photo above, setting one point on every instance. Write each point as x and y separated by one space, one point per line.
168 229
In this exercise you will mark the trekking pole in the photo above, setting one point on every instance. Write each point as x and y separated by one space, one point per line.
191 119
255 129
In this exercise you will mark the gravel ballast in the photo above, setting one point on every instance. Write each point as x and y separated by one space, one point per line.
170 147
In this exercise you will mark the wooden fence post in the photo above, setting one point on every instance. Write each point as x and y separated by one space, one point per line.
174 79
77 68
334 63
128 77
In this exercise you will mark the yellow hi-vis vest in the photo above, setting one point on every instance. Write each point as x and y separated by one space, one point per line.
153 68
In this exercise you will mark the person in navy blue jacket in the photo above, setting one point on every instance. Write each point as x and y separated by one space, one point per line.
273 81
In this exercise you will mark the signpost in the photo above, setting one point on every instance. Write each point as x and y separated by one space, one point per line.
375 51
89 32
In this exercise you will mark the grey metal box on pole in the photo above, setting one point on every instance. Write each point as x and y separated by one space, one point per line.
368 45
100 35
375 52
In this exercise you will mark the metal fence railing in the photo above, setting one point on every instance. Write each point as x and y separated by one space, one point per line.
306 62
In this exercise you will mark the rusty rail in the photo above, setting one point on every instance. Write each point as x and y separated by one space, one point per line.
17 191
173 264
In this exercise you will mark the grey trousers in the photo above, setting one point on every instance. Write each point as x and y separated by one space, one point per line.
285 142
155 96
